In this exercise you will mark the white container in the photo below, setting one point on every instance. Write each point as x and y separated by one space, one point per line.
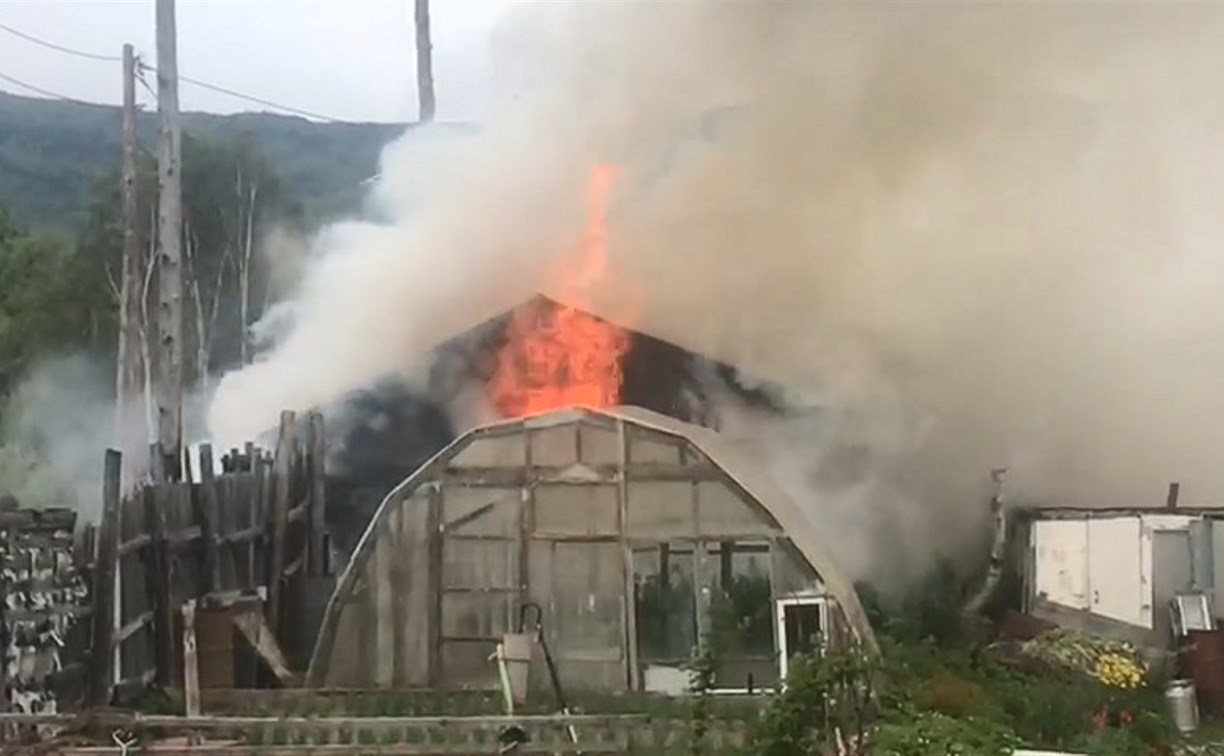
516 653
1182 705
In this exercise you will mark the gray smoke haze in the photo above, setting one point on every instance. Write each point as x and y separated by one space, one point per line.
57 423
55 429
978 235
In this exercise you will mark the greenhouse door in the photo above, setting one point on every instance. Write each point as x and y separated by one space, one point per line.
581 588
479 589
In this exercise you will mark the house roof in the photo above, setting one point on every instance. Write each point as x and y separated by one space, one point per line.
735 460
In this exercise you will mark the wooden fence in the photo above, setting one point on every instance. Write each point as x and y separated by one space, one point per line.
415 736
253 530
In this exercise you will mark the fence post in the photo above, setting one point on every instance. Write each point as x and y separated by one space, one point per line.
102 659
282 477
208 514
191 666
158 586
317 547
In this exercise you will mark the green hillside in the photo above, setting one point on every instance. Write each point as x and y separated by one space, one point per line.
52 151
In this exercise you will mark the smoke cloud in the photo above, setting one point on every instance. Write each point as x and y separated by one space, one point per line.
975 236
56 424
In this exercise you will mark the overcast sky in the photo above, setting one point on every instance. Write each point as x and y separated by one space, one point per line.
348 59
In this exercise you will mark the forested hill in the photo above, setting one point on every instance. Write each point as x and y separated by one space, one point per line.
51 153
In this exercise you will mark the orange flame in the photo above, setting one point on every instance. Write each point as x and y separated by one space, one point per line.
559 356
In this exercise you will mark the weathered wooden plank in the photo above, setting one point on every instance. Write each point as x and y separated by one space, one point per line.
298 513
350 749
208 517
213 723
242 536
191 666
433 621
318 498
130 628
294 567
383 595
134 544
181 536
512 477
282 479
102 667
130 688
157 587
255 629
633 671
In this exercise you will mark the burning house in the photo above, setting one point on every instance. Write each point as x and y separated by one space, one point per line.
636 534
594 486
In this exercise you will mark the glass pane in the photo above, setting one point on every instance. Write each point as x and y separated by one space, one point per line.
803 628
666 610
741 606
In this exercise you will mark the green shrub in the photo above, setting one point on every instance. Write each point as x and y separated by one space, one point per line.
932 734
953 696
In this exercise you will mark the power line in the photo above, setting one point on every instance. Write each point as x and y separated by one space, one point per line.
248 98
143 67
47 92
59 48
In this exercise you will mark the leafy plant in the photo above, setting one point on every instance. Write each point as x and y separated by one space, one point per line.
829 701
933 734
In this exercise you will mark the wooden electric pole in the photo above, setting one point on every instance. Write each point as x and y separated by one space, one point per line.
424 51
129 389
169 362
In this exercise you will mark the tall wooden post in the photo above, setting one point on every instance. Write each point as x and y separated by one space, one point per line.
169 375
424 56
129 388
102 655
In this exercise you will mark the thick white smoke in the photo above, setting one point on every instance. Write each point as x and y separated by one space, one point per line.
981 235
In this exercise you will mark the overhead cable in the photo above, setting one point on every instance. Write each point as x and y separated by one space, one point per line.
59 48
196 82
48 92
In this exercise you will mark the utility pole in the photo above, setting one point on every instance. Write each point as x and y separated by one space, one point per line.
129 389
169 375
424 51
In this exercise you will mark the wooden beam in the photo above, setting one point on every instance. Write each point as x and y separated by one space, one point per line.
102 669
157 588
191 666
186 535
208 514
255 629
130 628
318 498
517 477
629 608
282 478
134 544
433 611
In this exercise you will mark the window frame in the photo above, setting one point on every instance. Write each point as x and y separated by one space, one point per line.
819 600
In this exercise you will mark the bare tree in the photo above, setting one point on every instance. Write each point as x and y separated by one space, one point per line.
424 56
129 358
247 195
170 244
205 317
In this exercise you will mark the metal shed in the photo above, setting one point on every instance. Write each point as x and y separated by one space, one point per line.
635 533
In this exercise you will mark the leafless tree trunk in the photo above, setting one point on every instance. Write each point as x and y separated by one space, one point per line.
424 55
148 331
170 245
247 214
129 356
205 318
